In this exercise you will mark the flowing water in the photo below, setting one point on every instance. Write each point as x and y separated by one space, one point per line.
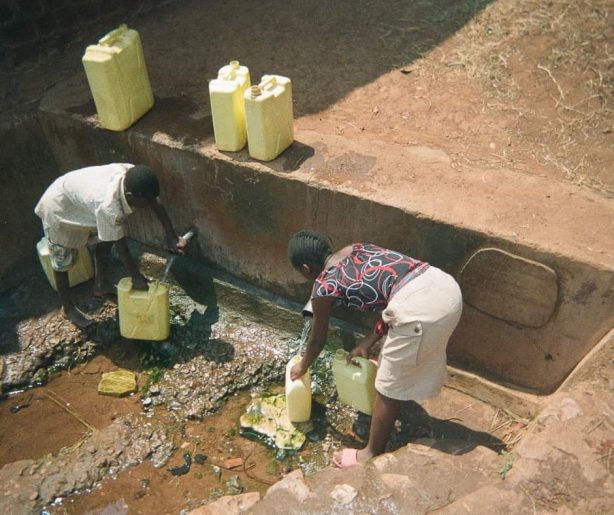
305 334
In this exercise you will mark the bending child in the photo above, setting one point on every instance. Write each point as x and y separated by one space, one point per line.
420 307
95 201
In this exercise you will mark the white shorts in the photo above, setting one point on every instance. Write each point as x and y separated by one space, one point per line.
421 317
64 258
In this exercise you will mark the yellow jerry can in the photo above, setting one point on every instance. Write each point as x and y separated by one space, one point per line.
82 271
355 384
298 394
269 118
143 314
116 72
227 106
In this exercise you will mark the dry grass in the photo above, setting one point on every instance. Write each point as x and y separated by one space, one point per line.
552 64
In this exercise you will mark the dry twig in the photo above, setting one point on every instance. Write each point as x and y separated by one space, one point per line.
553 80
54 397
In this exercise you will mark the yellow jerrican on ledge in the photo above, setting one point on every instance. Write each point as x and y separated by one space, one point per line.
117 75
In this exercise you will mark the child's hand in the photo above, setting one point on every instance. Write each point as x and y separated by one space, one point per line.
297 371
177 245
139 282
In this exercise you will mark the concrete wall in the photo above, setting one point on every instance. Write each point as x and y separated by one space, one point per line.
554 309
27 166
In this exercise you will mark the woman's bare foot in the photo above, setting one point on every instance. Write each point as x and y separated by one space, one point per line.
81 320
364 455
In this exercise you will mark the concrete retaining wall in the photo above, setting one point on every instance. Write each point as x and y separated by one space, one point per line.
27 166
554 308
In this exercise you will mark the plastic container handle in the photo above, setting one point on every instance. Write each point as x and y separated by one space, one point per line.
114 35
271 82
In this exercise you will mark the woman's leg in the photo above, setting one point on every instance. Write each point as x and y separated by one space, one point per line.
385 413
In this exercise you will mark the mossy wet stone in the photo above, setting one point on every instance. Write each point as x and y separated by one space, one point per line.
117 383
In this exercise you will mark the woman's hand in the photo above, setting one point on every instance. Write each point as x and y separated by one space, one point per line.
297 371
362 350
364 346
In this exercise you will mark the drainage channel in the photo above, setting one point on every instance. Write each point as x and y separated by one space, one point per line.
177 443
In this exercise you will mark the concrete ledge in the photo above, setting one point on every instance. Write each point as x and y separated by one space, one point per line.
246 211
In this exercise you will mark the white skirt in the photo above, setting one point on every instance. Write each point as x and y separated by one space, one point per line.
421 317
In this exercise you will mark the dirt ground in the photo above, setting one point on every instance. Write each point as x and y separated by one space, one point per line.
521 86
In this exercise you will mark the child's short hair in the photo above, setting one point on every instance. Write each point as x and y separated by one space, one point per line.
141 181
309 247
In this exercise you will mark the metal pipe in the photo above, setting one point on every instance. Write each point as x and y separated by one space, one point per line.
307 309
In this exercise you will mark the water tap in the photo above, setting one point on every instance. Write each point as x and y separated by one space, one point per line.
307 309
190 234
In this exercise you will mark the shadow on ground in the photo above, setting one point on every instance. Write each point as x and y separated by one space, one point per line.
414 423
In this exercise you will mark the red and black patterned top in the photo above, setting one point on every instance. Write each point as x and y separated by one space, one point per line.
366 279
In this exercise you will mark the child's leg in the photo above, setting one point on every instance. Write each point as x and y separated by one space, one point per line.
62 260
70 310
385 413
102 258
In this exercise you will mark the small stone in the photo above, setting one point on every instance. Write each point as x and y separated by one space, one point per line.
217 471
34 496
234 486
200 458
233 463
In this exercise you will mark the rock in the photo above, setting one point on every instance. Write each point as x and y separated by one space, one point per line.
384 462
294 484
234 486
228 505
344 494
117 383
40 377
397 482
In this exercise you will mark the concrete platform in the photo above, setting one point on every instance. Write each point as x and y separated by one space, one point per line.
538 296
375 158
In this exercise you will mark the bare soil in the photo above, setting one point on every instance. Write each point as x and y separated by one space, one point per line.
519 85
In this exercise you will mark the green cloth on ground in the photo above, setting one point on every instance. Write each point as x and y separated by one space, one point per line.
268 417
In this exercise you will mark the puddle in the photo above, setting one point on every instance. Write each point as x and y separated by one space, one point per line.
227 346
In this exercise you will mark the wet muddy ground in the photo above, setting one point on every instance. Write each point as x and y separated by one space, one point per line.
227 345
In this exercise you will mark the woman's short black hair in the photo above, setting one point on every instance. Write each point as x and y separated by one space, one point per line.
141 181
309 247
